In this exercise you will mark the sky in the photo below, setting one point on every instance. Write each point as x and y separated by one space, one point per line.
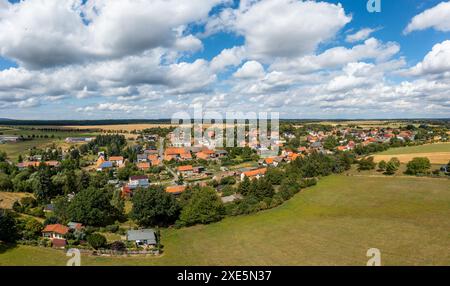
119 59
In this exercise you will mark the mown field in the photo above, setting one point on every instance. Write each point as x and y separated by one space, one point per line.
7 199
13 149
438 153
333 223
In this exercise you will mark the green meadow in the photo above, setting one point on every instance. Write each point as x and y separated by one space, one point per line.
428 148
333 223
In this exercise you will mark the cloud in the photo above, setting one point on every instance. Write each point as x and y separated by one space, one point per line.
251 69
361 35
48 33
436 62
111 107
227 58
437 18
305 25
339 56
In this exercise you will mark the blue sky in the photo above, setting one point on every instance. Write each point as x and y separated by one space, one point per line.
93 59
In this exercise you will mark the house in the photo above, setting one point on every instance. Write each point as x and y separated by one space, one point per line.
78 139
75 226
35 164
270 161
177 153
185 170
198 169
221 153
144 166
302 149
154 160
175 190
138 182
116 160
203 156
102 164
142 237
142 158
8 138
258 173
56 233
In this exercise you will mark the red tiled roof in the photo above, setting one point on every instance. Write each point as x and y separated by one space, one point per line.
143 165
56 228
185 168
116 158
175 189
256 172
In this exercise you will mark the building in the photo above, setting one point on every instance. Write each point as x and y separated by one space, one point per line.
56 233
116 160
185 170
144 166
78 139
75 226
254 174
138 182
36 164
175 190
8 138
142 237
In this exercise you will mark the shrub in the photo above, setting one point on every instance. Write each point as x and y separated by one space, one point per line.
118 246
96 240
418 166
112 228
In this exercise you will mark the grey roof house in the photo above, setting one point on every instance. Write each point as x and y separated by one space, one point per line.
142 237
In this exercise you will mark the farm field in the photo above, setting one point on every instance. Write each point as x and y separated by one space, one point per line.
437 153
333 223
53 137
7 199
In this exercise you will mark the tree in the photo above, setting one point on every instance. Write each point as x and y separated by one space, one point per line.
244 186
274 176
330 143
382 165
366 164
392 166
44 189
61 205
8 227
92 207
203 207
154 207
419 165
96 240
32 229
5 183
261 189
118 246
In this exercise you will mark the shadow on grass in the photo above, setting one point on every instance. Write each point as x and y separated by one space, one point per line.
4 247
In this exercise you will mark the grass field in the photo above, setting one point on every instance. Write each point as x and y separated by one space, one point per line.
428 148
7 199
333 223
437 153
14 149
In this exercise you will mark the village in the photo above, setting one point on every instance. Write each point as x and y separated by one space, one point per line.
149 160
